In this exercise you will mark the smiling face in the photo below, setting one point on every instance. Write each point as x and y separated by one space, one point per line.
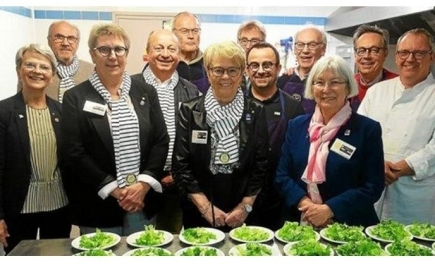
37 78
163 54
262 80
306 57
64 50
224 87
332 96
370 64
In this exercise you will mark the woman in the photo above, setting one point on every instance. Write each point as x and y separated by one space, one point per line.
116 142
32 196
331 167
220 150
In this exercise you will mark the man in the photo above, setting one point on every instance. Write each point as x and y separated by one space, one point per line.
371 50
263 67
250 32
309 46
163 52
63 39
188 30
405 108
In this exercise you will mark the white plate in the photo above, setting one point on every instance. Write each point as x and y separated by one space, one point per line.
270 234
219 252
433 245
109 254
369 229
317 238
131 239
408 227
323 235
235 252
289 245
219 237
387 247
76 242
130 253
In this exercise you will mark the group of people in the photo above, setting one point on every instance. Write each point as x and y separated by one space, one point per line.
215 138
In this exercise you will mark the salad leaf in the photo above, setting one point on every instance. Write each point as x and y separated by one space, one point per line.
199 251
250 233
344 233
425 230
150 236
152 251
98 240
390 230
408 248
198 235
364 247
95 253
253 249
292 231
309 247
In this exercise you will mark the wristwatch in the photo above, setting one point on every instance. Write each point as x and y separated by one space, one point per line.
247 208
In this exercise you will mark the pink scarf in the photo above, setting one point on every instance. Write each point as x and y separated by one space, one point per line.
320 136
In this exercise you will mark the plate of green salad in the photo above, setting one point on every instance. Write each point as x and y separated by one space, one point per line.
96 253
254 250
199 251
96 240
363 247
307 247
342 233
201 236
422 231
253 234
292 232
408 248
388 231
148 252
149 237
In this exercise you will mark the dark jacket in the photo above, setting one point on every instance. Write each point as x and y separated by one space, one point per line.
15 166
90 157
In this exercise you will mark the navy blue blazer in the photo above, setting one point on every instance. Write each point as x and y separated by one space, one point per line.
352 185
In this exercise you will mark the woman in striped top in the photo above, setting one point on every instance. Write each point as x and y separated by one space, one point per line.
32 197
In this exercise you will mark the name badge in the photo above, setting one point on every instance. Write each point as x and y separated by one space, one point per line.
95 108
199 136
343 149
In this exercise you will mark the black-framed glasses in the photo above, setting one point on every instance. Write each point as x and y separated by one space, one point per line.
404 54
31 66
266 65
106 51
332 84
253 41
186 31
310 45
59 38
231 71
372 51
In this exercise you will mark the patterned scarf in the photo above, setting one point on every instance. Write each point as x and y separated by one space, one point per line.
66 73
167 103
125 128
224 120
320 136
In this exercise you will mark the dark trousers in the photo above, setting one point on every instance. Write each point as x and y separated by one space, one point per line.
52 224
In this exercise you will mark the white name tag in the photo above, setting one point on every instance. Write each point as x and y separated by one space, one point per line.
199 136
95 108
343 149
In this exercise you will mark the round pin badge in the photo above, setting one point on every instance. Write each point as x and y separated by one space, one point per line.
224 158
130 179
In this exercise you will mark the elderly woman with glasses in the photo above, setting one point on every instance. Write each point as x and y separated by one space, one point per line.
332 163
221 146
116 142
32 196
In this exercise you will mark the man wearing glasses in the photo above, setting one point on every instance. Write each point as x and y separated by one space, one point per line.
309 46
405 108
263 67
371 50
63 39
187 28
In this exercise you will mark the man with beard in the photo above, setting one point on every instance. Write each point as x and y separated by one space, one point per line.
263 67
310 45
163 52
63 39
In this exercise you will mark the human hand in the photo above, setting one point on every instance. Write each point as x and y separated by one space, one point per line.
3 233
318 215
219 216
236 217
167 181
134 197
392 172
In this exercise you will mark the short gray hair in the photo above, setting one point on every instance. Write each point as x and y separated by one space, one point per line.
365 28
418 31
251 25
311 26
42 50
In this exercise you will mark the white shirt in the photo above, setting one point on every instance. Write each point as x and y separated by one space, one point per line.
407 118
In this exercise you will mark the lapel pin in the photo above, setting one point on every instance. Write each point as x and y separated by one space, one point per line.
347 132
20 116
142 102
56 119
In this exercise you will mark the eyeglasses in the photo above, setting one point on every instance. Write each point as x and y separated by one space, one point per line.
31 66
332 84
59 38
311 45
106 51
416 54
231 71
372 51
267 66
185 31
253 41
159 49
